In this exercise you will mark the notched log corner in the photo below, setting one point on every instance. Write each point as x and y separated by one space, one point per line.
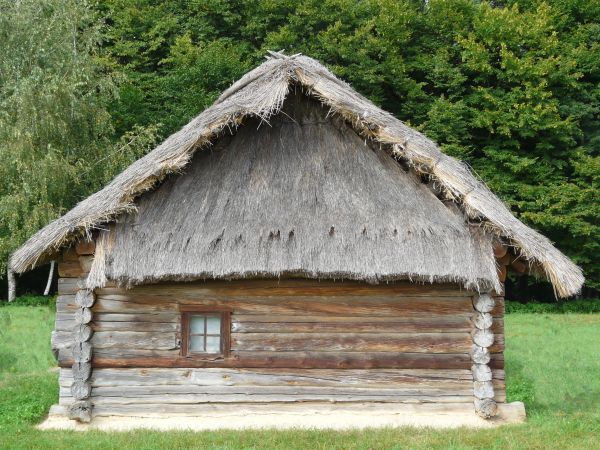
81 411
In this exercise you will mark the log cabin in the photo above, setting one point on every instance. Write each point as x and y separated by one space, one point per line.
294 254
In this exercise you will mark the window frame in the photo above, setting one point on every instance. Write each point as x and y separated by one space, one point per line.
190 310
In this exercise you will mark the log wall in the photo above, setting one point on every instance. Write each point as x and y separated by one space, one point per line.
292 340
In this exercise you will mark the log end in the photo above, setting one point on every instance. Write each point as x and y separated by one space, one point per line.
80 411
486 408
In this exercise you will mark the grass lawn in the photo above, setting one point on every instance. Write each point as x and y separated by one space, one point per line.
553 365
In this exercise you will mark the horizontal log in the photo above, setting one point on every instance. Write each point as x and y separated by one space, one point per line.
85 247
99 325
309 306
135 340
259 398
70 269
278 288
69 286
292 360
333 342
383 378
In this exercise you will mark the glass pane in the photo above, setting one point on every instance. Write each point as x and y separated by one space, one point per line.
197 324
197 344
213 344
213 325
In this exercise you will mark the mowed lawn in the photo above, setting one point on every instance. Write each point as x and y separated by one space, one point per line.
553 365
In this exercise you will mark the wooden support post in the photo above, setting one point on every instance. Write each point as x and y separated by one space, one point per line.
483 338
81 388
12 285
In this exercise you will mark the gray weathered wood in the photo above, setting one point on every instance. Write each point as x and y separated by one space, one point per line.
486 408
82 352
483 338
81 390
483 303
482 321
80 410
82 333
82 371
480 355
483 389
83 315
481 372
85 298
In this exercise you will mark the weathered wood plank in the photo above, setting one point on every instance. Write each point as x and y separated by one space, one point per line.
70 269
384 378
333 342
256 398
153 341
258 288
404 308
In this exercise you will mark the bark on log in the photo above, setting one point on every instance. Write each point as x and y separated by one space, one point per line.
480 355
486 408
81 411
81 390
82 371
83 315
85 298
483 338
82 333
481 372
482 321
483 303
483 389
82 352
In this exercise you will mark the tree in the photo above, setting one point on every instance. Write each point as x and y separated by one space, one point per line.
56 137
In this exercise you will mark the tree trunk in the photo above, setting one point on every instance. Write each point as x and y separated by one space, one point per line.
50 276
12 285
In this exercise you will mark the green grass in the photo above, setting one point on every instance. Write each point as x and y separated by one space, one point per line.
552 364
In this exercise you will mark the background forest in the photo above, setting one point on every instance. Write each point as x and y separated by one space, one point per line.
511 88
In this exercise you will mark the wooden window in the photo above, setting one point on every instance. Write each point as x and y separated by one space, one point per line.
205 333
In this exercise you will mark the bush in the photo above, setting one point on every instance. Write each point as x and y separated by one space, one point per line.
31 300
589 306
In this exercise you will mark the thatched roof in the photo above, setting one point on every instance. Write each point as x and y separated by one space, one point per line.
260 94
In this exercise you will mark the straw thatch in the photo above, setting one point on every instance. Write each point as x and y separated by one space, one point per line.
261 94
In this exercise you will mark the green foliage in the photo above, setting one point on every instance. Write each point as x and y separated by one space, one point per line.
567 307
56 136
31 300
512 88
